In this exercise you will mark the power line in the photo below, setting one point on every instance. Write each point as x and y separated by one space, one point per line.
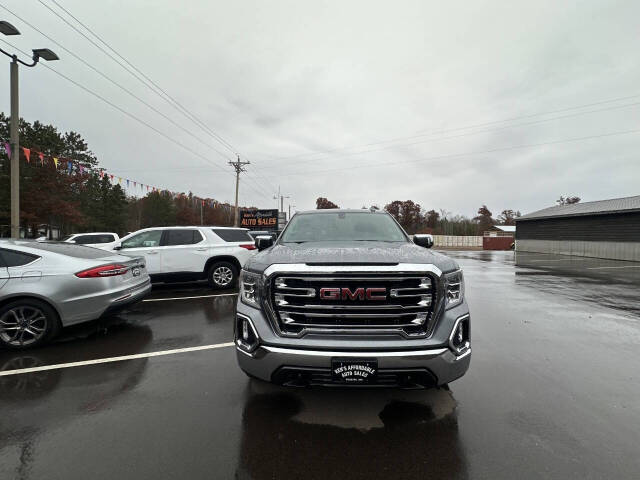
156 88
403 145
128 114
173 122
455 129
465 154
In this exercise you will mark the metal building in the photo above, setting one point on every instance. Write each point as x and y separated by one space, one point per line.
602 229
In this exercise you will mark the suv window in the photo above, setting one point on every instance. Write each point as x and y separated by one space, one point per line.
103 238
11 258
233 234
182 237
84 239
143 239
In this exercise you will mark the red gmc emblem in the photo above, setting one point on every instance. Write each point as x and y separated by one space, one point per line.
357 294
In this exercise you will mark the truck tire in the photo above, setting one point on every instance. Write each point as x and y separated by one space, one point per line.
222 275
27 323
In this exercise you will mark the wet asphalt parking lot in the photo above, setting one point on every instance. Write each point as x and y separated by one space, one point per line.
553 392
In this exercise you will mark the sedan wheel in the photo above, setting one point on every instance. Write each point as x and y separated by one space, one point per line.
26 324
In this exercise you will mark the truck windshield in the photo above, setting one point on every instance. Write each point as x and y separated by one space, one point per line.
342 226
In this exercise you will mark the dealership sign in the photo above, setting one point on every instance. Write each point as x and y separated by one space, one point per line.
259 219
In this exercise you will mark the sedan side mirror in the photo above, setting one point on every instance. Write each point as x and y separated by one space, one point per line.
263 241
424 240
118 247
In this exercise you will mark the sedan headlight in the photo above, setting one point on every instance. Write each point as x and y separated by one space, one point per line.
454 288
250 288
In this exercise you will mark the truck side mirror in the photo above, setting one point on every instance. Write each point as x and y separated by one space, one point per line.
425 240
263 241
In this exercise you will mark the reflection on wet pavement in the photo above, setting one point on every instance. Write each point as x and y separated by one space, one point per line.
552 392
338 434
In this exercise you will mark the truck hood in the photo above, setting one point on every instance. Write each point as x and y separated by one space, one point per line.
375 253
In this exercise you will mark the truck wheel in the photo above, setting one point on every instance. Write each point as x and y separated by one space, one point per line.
27 323
222 275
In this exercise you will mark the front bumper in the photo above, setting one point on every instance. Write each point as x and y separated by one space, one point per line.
430 367
281 360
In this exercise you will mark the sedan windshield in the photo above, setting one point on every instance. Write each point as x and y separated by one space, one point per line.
342 226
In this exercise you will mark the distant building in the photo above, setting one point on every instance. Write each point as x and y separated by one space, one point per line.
500 231
498 237
602 229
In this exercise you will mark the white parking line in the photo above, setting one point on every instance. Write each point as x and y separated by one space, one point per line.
187 298
115 359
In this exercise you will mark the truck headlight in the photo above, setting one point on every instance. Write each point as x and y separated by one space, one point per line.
453 288
250 288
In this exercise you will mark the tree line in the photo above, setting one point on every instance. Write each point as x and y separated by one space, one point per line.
53 199
415 219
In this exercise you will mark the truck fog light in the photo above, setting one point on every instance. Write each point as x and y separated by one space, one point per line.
246 336
459 340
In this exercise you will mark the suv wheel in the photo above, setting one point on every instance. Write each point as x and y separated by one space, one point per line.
222 275
27 323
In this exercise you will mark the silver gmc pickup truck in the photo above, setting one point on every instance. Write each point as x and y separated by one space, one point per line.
345 297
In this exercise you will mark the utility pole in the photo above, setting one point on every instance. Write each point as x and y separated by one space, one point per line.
281 197
290 211
239 167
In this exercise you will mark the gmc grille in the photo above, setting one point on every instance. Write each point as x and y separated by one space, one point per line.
354 303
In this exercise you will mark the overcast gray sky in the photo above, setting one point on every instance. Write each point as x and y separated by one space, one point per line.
359 101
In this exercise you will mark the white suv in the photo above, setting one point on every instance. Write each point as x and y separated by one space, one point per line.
180 254
104 240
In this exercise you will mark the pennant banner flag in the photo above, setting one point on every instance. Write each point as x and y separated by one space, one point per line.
80 168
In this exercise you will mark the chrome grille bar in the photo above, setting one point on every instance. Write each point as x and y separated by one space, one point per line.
406 306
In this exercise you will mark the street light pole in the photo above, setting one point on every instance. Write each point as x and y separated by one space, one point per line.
15 151
14 136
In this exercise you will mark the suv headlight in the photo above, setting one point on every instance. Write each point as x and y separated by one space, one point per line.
453 288
250 288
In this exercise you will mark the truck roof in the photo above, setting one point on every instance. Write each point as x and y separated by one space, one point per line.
340 210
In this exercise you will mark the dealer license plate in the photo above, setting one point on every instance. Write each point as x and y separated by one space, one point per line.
354 370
